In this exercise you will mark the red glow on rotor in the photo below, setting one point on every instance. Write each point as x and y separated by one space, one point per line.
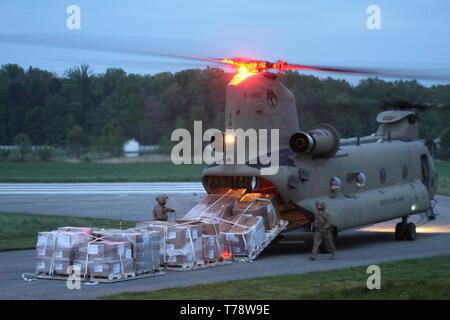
248 67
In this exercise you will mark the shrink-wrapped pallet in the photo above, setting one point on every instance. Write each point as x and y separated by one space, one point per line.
181 244
145 246
105 259
55 250
243 235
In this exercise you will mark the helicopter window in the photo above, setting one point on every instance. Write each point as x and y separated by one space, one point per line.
382 175
361 180
405 171
335 184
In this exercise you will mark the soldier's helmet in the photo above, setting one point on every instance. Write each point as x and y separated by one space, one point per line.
162 198
321 205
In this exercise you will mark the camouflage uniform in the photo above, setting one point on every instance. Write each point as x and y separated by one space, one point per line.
322 231
160 211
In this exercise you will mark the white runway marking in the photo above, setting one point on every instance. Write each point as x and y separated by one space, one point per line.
101 188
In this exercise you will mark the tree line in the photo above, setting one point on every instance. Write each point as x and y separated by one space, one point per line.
82 109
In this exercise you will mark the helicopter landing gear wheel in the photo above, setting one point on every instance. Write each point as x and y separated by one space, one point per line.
410 232
405 230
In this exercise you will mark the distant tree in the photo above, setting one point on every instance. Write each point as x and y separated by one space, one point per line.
111 140
148 107
75 140
445 145
165 145
23 143
45 153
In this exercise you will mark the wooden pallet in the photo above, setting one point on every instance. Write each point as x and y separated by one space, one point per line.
198 265
110 279
270 236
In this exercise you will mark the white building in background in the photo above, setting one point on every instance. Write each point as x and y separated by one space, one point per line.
131 148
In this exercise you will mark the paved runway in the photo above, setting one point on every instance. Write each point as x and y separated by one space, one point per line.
127 201
371 245
100 188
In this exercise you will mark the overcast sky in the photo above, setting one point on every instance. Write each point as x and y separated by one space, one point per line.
414 34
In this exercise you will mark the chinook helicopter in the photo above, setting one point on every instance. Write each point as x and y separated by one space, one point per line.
363 180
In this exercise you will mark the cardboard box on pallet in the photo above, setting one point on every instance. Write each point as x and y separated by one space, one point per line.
243 235
145 246
258 204
60 266
105 268
209 226
55 250
217 204
212 246
43 265
105 249
180 243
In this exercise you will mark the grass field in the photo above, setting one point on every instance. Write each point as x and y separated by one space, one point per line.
427 278
97 172
19 231
443 168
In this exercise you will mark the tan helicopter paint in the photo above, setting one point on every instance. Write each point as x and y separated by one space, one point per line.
260 102
393 148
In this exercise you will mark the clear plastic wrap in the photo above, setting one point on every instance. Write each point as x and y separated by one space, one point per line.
217 204
145 246
258 204
181 244
243 235
55 250
98 253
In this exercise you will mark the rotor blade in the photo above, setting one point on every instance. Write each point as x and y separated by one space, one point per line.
136 63
103 44
407 105
386 73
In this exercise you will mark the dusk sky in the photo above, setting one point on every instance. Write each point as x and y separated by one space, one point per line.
413 35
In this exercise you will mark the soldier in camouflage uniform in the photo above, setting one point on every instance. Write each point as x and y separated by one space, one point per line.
322 231
160 211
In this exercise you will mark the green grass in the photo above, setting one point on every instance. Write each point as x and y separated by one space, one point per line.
19 231
443 169
97 172
427 278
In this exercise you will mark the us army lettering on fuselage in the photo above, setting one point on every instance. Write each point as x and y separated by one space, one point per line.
391 201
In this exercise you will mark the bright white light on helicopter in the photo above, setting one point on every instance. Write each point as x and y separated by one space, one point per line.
413 207
229 138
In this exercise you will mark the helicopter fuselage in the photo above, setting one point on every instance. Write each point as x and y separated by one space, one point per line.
364 181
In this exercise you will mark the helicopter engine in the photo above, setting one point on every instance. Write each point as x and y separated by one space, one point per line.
319 142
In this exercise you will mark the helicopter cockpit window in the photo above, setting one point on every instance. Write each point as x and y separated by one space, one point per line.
335 184
361 180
